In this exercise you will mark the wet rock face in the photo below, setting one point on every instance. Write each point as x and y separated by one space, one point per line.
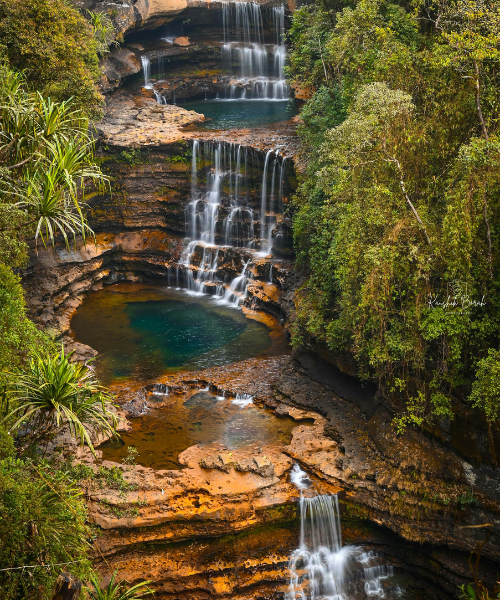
413 484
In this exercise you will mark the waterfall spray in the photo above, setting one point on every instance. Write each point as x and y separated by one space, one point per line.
322 568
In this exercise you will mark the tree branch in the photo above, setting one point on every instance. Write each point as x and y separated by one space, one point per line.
407 198
19 164
478 103
321 54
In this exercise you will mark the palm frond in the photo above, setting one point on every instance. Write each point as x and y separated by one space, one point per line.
52 393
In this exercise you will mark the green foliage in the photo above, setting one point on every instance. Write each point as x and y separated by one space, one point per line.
132 454
54 45
103 30
46 159
395 217
19 335
134 156
51 392
486 388
119 590
42 525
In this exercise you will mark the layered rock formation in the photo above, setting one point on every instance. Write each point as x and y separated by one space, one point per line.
171 526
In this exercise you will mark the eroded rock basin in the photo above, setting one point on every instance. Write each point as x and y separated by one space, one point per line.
142 332
177 421
216 448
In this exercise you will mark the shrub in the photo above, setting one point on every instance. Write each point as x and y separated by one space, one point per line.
55 47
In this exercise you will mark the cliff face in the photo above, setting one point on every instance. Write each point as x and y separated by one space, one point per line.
151 14
140 220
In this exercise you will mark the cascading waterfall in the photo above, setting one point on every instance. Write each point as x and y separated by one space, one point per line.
271 204
220 218
321 568
257 66
146 69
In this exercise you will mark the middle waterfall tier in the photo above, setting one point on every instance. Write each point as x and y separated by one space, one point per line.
233 219
237 195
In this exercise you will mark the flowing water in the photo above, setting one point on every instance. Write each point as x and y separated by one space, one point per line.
224 215
258 67
321 568
199 417
145 331
254 61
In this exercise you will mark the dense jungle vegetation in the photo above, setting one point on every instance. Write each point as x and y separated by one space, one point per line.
49 64
396 221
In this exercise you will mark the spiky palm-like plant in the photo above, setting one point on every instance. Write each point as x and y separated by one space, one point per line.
46 159
118 590
53 392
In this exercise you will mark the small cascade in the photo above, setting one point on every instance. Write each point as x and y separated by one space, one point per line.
243 400
224 227
271 204
321 568
146 70
257 66
160 389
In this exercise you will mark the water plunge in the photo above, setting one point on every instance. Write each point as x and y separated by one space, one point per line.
321 568
143 332
254 63
257 66
226 231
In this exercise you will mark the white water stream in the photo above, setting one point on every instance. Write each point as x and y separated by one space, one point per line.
221 225
321 568
256 65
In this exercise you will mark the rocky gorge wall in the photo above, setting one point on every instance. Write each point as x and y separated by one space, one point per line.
140 219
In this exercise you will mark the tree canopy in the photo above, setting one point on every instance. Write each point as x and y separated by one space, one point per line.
396 218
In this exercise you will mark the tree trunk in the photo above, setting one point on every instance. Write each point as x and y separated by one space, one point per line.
67 587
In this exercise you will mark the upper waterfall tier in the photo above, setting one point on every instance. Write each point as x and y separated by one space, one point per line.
257 65
253 54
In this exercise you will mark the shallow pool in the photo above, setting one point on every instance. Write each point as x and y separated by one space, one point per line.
198 417
142 332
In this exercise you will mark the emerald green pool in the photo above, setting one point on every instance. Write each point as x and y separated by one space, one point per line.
143 332
236 114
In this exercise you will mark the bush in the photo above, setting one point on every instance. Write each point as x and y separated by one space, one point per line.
41 525
19 334
55 47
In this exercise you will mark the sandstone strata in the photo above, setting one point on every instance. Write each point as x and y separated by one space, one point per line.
137 121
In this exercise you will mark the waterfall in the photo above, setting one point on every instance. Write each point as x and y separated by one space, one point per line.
220 218
146 69
257 66
271 203
321 568
243 400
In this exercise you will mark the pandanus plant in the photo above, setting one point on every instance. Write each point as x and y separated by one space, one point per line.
52 392
46 159
118 590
